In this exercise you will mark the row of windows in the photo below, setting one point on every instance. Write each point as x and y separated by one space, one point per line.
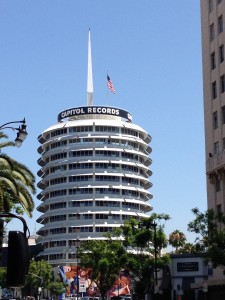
79 229
57 256
57 181
97 128
220 57
57 156
211 4
90 229
88 153
93 141
58 218
98 191
87 203
109 191
57 230
58 205
214 87
91 178
106 153
104 166
57 244
105 141
219 28
81 129
89 216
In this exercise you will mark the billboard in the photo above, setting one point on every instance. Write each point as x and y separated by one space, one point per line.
79 282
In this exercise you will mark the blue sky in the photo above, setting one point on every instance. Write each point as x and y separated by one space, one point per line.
152 52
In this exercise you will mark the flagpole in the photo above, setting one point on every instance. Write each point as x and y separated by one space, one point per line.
107 91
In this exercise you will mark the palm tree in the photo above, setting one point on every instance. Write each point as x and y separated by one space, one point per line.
177 239
17 184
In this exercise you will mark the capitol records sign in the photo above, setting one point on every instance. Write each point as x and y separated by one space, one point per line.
99 110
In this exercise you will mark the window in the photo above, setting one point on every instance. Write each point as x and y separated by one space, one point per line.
215 120
223 114
220 24
212 32
214 93
213 60
217 184
218 208
216 148
210 5
222 84
221 53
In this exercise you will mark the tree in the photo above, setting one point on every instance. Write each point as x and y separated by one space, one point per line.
133 247
177 239
39 275
17 184
2 277
144 242
57 288
187 248
210 230
105 259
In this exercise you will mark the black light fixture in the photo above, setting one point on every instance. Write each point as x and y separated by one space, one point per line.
21 131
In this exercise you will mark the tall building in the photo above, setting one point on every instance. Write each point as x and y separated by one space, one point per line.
94 175
213 41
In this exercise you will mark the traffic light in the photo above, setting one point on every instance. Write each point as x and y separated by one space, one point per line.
18 259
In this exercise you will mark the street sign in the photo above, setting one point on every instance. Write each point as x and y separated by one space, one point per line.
82 285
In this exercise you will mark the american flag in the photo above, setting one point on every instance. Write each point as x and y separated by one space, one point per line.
110 85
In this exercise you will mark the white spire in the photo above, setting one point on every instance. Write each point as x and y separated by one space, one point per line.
89 76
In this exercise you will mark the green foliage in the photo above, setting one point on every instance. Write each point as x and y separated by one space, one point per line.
57 288
104 258
40 274
188 248
210 230
17 183
3 273
143 240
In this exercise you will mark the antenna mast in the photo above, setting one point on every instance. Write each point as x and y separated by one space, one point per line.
89 75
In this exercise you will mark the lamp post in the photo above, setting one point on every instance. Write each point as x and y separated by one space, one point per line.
21 131
154 226
40 285
77 247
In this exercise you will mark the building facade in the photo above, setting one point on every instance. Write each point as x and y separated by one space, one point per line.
213 43
94 175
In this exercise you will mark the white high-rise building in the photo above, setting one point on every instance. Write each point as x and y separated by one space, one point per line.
94 175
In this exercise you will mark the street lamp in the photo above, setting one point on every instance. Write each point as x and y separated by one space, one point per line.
77 247
21 131
154 226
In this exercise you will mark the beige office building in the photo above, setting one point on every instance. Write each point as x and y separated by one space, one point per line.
213 40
